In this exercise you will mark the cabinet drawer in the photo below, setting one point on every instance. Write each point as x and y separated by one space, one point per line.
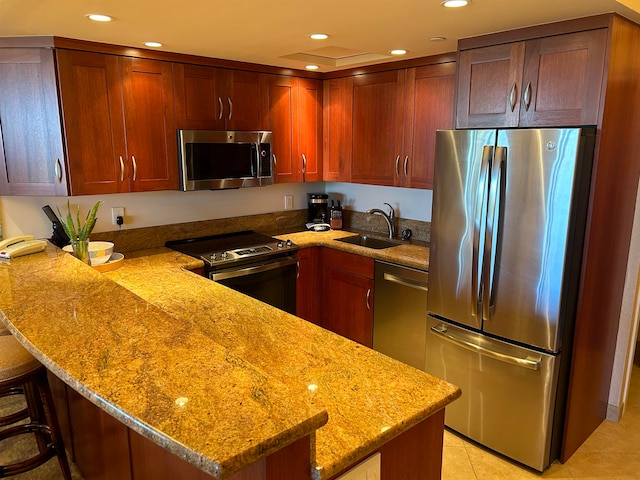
350 262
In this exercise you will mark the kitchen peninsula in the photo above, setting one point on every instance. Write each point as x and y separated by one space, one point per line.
222 381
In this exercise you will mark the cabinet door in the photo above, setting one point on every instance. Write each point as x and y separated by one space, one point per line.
348 295
562 79
309 128
336 131
246 102
31 152
429 107
150 124
199 103
91 96
307 291
489 83
377 127
283 115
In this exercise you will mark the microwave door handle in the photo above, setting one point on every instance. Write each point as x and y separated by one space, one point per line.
255 161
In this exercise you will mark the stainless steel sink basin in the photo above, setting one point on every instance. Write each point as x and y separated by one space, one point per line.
369 242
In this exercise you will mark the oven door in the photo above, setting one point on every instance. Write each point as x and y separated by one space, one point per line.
272 282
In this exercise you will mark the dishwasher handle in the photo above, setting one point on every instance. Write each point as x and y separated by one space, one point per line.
407 282
529 362
251 270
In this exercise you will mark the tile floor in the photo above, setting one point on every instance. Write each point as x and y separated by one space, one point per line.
612 452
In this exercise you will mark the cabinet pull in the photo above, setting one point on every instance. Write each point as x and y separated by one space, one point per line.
406 162
135 167
58 169
230 107
368 297
121 169
397 162
221 108
304 164
297 269
527 96
512 96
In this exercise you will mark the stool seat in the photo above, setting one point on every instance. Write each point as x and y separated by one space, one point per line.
22 374
15 361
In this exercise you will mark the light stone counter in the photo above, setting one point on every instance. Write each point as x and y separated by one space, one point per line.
136 339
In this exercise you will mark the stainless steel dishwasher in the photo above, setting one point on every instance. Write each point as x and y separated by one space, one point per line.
400 313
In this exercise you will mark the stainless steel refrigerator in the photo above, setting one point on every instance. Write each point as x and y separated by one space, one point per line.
507 232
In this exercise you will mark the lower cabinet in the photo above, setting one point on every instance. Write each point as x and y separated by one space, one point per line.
308 288
347 301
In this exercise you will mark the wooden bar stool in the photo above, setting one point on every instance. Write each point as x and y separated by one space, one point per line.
3 330
21 373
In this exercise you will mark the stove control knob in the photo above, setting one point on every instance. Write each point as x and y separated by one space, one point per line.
289 243
280 244
214 257
224 255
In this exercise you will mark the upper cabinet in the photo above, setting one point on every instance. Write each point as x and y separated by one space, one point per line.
395 116
295 118
119 122
336 129
31 147
211 98
549 81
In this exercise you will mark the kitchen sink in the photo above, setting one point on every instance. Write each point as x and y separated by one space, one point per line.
369 242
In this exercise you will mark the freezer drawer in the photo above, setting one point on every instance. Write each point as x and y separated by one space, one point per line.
508 392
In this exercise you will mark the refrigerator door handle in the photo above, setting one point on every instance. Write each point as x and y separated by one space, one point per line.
492 234
529 362
479 229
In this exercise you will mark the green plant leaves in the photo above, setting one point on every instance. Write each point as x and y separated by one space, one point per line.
76 229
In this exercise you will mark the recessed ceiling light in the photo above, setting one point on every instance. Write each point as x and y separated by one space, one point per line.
96 17
312 67
455 3
319 36
398 51
153 44
437 39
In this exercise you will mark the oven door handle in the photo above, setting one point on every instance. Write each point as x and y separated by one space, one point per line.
241 272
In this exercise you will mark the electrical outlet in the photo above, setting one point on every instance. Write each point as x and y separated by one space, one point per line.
115 213
288 202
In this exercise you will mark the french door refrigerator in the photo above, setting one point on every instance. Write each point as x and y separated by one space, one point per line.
507 232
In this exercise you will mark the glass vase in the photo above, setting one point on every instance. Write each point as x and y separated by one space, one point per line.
81 250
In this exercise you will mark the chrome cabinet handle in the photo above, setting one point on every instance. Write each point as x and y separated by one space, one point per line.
406 162
135 167
121 169
304 164
513 96
230 107
397 162
297 269
532 363
58 170
368 297
527 96
221 108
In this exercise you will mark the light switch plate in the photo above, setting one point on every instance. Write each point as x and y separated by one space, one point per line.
288 202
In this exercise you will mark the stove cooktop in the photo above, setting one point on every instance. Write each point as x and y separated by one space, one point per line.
218 251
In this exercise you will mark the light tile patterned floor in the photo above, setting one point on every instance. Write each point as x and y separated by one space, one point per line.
612 452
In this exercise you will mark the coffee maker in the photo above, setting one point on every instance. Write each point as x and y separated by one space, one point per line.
318 208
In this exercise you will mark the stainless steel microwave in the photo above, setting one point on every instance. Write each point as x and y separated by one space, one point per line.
213 160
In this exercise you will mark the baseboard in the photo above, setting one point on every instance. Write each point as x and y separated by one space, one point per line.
614 414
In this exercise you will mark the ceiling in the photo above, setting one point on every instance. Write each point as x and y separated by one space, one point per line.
276 32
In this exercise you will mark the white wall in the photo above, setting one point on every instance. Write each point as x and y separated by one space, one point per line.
21 215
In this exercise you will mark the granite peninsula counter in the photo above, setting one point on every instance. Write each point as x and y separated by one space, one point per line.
140 340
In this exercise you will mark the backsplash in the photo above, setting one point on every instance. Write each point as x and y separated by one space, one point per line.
270 223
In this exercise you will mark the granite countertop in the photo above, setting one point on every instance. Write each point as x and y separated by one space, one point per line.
135 340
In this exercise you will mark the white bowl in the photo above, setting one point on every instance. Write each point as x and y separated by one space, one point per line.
99 252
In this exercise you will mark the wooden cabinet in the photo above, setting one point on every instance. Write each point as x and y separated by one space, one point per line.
308 288
211 98
348 295
119 122
295 118
395 117
336 130
31 147
549 81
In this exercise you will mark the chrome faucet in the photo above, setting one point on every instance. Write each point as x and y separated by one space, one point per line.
389 218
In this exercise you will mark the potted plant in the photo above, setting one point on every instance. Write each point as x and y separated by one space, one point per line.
78 231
